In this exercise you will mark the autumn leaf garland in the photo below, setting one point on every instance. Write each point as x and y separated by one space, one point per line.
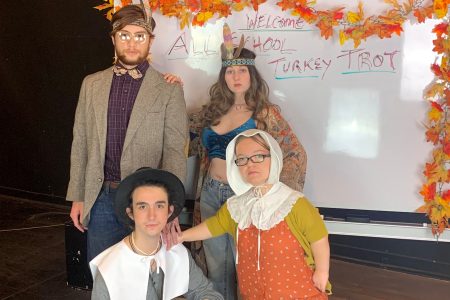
350 25
435 191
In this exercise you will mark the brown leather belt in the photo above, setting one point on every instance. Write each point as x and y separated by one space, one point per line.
111 184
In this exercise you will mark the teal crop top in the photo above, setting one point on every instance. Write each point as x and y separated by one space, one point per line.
216 144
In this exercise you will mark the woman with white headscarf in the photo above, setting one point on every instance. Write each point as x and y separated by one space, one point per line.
281 240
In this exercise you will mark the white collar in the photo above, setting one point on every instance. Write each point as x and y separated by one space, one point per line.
266 211
126 273
263 211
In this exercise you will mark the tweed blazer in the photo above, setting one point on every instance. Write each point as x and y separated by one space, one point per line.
156 137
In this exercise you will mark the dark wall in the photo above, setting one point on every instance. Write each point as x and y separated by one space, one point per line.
46 49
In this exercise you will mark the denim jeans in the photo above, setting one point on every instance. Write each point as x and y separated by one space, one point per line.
104 229
219 251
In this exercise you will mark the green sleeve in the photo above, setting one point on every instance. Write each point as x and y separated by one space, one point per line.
221 223
309 220
305 223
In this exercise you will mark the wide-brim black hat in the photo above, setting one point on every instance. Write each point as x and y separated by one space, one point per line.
141 177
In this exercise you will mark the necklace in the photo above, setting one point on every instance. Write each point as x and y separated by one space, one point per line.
135 248
240 106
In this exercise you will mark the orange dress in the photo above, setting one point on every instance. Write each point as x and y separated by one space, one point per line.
283 272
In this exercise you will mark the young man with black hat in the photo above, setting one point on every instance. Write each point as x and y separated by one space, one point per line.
127 117
140 266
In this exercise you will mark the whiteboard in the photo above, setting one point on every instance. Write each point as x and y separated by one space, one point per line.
359 113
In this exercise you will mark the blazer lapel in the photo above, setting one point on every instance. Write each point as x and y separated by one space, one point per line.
146 98
101 90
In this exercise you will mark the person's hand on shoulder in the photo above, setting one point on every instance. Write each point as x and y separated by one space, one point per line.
172 234
172 78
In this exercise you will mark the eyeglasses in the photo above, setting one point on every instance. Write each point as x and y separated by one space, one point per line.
139 37
257 158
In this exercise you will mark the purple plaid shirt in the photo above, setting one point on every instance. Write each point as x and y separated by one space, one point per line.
124 90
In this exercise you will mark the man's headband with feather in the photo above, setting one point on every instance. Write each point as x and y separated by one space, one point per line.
145 23
230 57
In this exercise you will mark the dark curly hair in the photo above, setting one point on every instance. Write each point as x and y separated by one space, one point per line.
222 98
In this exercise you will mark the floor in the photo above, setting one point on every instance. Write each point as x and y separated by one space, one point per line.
32 264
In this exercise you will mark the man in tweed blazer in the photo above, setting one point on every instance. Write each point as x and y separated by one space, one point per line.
127 117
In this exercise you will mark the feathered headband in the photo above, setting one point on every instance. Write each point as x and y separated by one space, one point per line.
144 23
229 56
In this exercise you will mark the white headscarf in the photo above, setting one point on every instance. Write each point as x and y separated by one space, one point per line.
237 183
251 204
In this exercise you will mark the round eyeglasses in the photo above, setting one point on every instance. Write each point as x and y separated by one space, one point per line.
257 158
138 37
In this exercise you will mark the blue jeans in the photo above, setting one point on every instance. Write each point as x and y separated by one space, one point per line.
104 230
219 251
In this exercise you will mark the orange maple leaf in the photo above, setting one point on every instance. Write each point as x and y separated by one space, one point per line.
326 29
432 135
434 90
286 4
437 106
447 97
440 8
435 172
306 13
423 13
436 70
428 191
193 5
202 17
446 147
446 195
338 15
438 156
256 3
440 29
438 46
430 169
239 5
395 28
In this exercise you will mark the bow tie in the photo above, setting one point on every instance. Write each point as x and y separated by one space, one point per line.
134 73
